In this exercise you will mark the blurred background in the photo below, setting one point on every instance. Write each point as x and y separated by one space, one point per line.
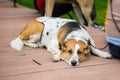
100 5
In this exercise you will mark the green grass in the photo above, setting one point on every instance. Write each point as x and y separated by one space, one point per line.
101 6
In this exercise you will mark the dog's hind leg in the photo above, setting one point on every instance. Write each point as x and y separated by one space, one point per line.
34 41
30 44
101 53
98 52
17 44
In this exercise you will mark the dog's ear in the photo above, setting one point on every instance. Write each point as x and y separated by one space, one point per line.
62 45
87 50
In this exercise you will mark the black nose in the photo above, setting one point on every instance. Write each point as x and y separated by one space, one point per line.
73 63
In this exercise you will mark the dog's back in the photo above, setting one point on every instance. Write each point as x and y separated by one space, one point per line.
51 27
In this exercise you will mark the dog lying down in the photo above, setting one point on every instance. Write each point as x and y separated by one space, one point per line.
66 39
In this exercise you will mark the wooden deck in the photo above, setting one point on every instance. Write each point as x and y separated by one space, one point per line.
19 65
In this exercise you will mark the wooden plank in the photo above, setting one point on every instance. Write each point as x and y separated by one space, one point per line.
19 65
101 72
26 65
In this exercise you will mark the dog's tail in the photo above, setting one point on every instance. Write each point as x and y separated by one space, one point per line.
17 44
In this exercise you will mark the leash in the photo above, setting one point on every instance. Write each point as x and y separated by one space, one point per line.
41 34
113 17
89 43
101 48
111 7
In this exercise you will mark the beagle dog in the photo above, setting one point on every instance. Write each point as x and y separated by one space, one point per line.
84 9
66 39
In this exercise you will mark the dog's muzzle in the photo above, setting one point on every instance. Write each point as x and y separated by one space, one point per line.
73 63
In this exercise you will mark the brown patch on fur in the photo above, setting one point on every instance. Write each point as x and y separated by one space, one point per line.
66 29
33 27
66 47
61 34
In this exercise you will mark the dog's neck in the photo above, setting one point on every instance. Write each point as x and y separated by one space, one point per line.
77 35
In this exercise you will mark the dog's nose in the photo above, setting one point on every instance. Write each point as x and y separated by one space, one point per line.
74 63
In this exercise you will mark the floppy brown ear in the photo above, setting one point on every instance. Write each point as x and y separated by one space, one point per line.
87 50
62 45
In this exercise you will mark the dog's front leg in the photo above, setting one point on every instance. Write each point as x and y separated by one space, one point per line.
98 52
49 5
101 53
54 49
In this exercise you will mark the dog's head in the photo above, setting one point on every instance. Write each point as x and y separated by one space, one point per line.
73 52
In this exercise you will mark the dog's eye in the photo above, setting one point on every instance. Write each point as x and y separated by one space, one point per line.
79 52
70 51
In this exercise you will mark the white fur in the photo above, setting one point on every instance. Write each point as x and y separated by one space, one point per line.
101 53
34 41
51 25
17 44
75 56
54 49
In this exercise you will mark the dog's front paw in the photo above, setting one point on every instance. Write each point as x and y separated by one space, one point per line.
56 58
106 55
